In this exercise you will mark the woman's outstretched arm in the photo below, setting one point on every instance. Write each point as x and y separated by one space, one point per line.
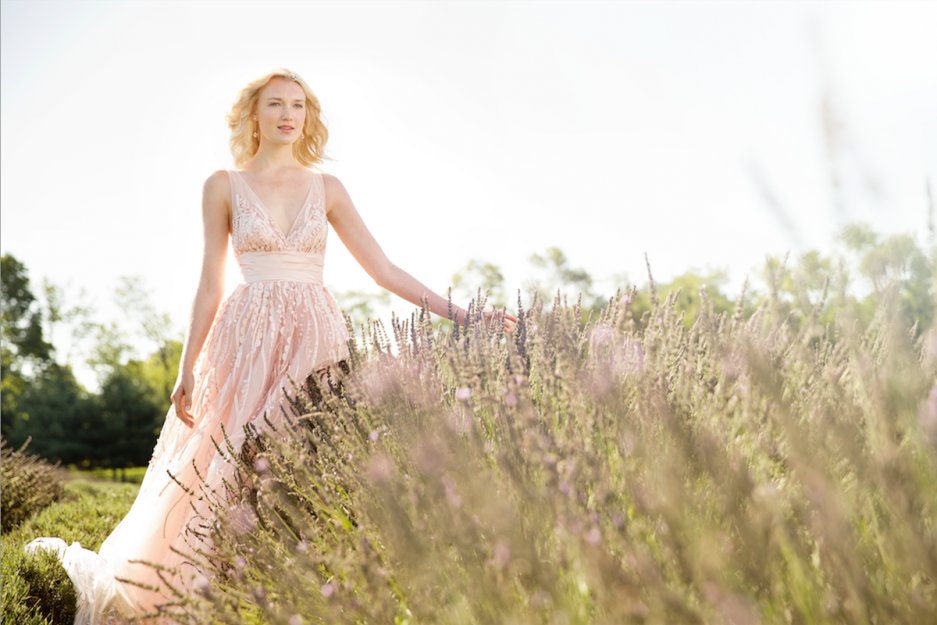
361 243
216 211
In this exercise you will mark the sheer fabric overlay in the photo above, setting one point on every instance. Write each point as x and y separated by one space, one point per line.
266 333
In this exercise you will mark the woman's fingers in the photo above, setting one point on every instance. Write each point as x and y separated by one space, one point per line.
182 405
509 322
497 316
182 398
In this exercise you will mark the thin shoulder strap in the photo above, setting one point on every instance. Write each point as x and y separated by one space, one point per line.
235 179
319 185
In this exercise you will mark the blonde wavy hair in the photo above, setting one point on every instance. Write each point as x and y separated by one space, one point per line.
309 150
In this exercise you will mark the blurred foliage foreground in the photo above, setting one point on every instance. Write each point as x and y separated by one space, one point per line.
748 469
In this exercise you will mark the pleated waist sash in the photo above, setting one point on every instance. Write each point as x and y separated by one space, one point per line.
281 266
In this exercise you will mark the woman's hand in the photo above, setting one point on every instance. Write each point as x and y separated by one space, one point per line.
182 397
494 316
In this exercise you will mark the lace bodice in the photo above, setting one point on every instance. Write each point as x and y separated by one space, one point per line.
254 230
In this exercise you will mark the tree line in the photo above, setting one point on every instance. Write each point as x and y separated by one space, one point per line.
117 426
864 271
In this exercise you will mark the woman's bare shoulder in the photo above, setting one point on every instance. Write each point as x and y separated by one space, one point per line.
218 184
335 192
216 192
331 181
333 186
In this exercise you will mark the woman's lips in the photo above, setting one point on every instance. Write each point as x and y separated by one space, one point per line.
286 128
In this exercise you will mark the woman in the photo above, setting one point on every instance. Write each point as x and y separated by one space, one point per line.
280 324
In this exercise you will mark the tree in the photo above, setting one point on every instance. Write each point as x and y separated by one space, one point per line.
76 316
697 291
480 275
115 428
559 276
134 395
12 386
23 349
895 267
132 414
62 419
157 328
361 305
21 318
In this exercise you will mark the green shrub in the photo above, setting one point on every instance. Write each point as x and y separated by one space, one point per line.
29 484
36 589
742 470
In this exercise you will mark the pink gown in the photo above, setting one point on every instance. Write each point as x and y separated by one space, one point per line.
280 323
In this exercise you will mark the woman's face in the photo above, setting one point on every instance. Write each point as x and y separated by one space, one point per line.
281 111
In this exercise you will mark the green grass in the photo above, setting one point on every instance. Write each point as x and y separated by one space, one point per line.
36 589
133 475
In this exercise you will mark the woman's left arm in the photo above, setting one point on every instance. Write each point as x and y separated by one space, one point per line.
350 228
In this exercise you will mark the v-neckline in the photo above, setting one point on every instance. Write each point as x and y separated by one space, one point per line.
299 215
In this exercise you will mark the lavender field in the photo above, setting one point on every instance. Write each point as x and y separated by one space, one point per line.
772 463
750 469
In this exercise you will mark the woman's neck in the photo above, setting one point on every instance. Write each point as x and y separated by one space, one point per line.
272 157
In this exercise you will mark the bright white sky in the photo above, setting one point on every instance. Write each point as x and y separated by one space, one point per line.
481 129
